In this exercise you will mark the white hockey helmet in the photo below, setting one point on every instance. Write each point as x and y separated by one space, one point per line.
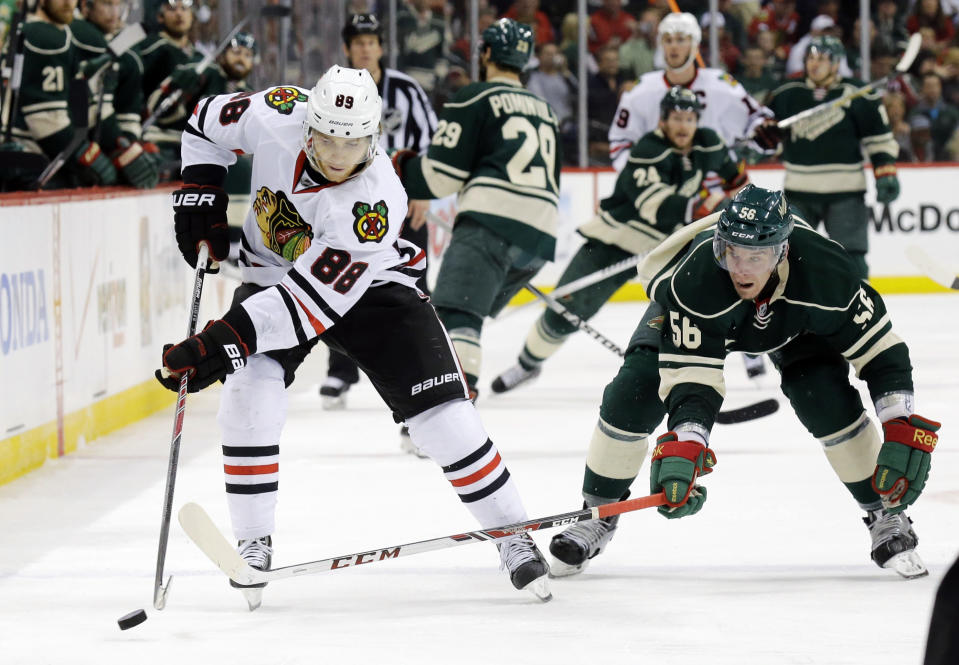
682 23
344 104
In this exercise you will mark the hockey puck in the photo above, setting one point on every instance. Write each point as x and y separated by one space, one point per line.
134 618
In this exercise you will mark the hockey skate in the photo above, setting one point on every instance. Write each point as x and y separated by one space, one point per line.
894 543
407 445
514 377
526 565
755 367
573 548
258 552
333 393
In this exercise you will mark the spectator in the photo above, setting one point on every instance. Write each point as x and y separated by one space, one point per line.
636 54
603 98
463 48
821 25
942 118
780 18
569 45
528 12
950 76
423 43
728 52
734 27
895 105
553 82
774 53
744 10
889 22
929 14
854 56
882 63
755 76
609 25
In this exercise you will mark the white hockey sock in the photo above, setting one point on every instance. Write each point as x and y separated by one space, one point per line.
541 343
453 436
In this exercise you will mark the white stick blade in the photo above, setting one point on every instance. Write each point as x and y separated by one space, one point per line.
203 532
131 35
931 267
912 50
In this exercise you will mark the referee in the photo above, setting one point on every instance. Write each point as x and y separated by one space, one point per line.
408 122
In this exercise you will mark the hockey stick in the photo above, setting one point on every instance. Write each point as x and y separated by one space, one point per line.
554 305
583 282
903 65
167 103
743 414
12 70
202 531
933 268
161 589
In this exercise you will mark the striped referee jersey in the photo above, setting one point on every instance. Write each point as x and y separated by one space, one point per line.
408 118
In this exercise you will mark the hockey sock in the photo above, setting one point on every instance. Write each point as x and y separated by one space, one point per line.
453 436
852 453
612 462
541 343
464 330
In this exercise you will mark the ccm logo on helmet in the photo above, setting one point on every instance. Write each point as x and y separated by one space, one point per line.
737 234
193 199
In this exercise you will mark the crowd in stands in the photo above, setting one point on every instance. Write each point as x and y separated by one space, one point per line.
760 43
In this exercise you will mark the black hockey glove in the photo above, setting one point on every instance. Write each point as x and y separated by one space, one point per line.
199 215
768 136
209 356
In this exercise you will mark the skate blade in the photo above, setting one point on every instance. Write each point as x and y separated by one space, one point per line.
330 403
540 588
407 446
254 597
908 565
559 568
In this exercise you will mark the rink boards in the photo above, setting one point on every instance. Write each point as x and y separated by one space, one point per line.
92 285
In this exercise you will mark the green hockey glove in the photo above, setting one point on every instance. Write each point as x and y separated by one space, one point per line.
903 464
186 78
136 166
675 467
90 157
887 183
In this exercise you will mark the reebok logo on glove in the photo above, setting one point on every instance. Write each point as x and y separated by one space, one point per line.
926 439
193 199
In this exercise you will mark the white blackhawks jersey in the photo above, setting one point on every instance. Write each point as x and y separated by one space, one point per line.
323 244
727 109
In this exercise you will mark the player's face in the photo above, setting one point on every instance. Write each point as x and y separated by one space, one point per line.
679 127
749 268
237 62
108 15
59 11
177 19
676 48
820 68
365 52
338 156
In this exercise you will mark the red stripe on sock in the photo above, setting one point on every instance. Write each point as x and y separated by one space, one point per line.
479 475
251 470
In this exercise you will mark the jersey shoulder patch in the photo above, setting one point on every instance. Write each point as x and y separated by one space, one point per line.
284 98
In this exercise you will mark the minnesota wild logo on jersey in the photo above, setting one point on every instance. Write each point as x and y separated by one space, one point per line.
371 222
284 98
284 231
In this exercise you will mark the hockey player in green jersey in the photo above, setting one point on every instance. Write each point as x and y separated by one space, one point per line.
42 123
757 278
496 144
658 190
823 154
102 18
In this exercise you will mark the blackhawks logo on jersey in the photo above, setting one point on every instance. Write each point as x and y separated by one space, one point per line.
371 223
284 231
284 98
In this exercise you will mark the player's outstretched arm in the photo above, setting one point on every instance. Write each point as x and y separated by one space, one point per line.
903 464
676 465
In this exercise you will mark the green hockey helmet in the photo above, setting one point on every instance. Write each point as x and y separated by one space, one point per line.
679 99
758 223
827 45
510 43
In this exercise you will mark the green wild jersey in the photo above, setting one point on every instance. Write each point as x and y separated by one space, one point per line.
818 293
42 122
90 42
496 144
656 192
160 57
823 154
128 102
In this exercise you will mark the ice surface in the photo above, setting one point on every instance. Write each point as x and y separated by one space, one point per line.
774 570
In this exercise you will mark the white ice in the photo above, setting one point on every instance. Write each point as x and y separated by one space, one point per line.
774 570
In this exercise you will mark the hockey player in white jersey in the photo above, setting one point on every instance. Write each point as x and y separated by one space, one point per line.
727 108
321 256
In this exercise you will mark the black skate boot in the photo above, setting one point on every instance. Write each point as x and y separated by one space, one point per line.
258 553
514 377
573 548
894 543
526 565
